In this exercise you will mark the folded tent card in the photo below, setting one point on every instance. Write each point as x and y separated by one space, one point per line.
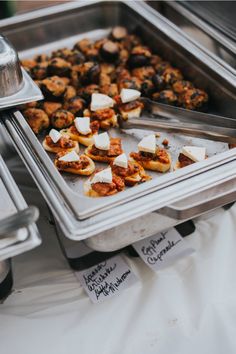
163 249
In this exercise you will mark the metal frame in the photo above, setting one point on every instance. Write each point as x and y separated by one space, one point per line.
190 182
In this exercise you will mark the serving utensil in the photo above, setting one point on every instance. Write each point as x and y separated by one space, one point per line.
186 115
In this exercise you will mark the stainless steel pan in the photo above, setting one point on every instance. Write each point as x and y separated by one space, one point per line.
81 217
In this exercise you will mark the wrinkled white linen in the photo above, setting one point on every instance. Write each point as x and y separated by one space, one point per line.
189 307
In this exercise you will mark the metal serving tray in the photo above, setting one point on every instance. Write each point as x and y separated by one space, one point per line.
12 201
200 22
80 216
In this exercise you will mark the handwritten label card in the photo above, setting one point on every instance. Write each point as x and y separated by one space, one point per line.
161 250
106 279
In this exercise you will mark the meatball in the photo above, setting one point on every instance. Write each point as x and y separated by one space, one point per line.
110 90
53 88
85 74
109 51
104 79
74 57
37 119
118 33
140 56
147 88
92 54
155 60
59 67
193 99
143 73
122 74
162 66
133 83
87 91
83 45
75 105
171 75
39 71
165 96
69 93
107 68
131 41
158 82
51 107
124 56
182 86
61 119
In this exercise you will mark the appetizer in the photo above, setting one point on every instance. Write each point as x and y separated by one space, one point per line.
150 156
37 119
62 119
128 103
130 171
82 130
73 163
102 111
190 155
104 149
55 142
103 183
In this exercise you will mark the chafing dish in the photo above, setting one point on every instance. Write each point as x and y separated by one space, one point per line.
107 224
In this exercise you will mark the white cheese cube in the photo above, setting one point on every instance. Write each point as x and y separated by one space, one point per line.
102 141
100 101
121 161
104 176
128 95
148 144
83 125
72 156
55 135
195 153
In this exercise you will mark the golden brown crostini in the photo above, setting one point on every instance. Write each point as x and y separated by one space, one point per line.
78 165
103 183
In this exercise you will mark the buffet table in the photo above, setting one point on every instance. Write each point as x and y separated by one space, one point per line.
187 307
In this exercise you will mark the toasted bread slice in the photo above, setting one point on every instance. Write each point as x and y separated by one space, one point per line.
155 165
138 177
56 149
109 123
133 113
85 140
97 157
90 192
177 166
87 171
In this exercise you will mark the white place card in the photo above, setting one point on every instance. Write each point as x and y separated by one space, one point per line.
161 250
106 279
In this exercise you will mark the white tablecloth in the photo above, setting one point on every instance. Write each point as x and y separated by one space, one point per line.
189 307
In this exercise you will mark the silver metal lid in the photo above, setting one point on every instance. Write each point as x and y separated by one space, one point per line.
11 78
16 86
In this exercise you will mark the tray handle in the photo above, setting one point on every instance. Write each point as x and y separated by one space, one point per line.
193 206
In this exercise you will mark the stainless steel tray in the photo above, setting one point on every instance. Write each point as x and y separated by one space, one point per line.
80 216
185 16
12 201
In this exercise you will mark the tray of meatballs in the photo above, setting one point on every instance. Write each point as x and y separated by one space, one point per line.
87 86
